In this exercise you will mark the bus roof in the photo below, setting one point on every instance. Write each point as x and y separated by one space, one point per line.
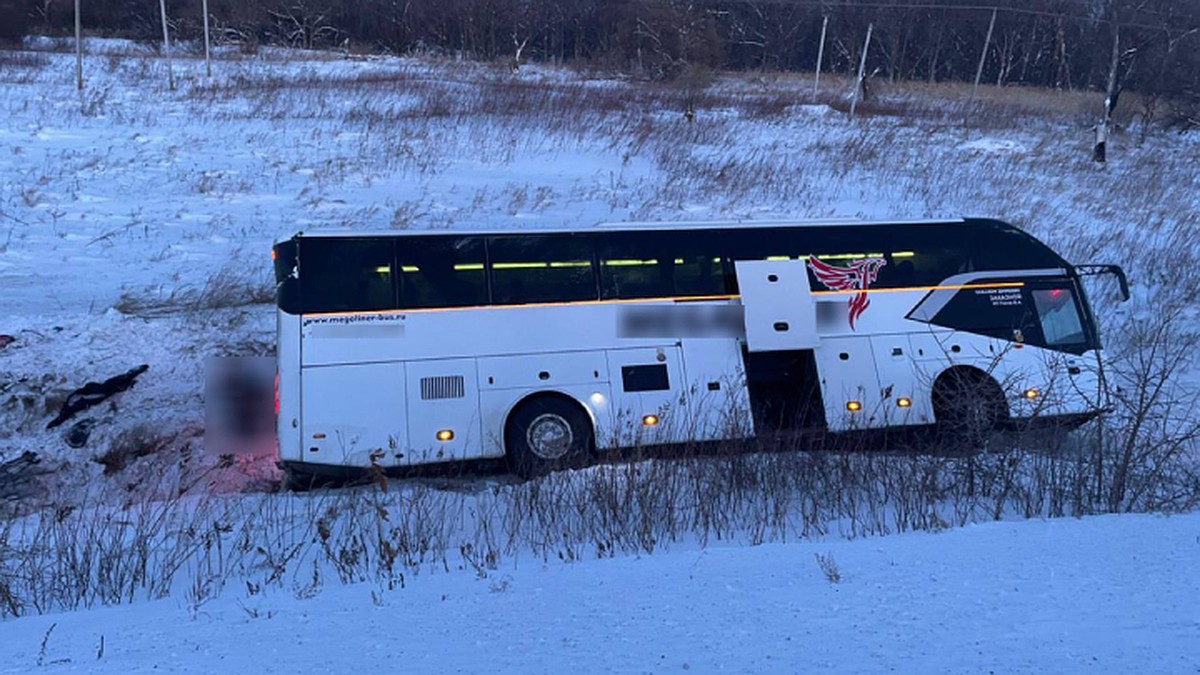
623 226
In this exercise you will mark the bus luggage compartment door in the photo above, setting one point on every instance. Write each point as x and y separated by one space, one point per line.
779 307
650 406
443 411
353 415
850 384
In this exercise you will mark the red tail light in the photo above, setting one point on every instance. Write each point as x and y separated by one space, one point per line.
276 394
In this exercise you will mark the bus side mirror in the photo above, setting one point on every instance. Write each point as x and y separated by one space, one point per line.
1115 270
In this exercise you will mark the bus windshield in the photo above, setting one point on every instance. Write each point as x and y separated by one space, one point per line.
1059 316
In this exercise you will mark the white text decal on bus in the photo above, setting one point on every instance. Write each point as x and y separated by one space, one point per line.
858 276
352 319
355 326
1002 297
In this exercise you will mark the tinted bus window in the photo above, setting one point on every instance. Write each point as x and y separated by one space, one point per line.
1042 313
662 264
913 255
441 272
346 275
992 310
997 248
541 268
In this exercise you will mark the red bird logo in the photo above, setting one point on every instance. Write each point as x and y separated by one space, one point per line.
857 277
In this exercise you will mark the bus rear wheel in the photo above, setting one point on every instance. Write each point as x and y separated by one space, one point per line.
969 407
546 434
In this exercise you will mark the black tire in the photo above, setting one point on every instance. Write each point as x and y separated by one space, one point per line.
547 434
969 408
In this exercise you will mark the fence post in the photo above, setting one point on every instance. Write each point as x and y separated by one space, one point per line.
820 57
983 55
862 67
78 49
207 61
162 6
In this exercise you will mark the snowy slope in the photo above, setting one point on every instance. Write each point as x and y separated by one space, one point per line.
1113 594
127 209
135 225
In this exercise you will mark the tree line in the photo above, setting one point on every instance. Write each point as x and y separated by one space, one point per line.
1066 44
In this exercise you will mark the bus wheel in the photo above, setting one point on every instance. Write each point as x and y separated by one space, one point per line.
546 434
969 407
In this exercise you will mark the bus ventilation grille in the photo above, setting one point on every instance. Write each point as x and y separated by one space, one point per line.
446 386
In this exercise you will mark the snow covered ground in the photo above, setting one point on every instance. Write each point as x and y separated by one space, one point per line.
1112 594
127 209
135 226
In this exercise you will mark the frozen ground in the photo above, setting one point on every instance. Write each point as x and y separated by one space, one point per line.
1112 594
135 222
135 226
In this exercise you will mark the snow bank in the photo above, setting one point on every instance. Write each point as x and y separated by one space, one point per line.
1102 594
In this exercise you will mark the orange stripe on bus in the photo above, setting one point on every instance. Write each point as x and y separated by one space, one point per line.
675 299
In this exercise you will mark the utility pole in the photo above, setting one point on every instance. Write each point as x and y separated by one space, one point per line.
207 61
162 6
78 49
987 42
820 57
862 68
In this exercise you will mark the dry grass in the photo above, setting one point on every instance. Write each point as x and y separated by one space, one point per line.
233 285
167 535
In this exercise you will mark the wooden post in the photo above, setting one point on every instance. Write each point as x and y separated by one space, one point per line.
78 49
987 42
820 57
862 67
207 61
162 6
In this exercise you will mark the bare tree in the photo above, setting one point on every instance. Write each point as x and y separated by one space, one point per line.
305 23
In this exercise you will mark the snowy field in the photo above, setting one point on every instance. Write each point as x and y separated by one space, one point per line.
135 226
135 222
1111 594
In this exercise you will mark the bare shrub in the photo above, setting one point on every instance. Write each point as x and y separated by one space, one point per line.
829 568
13 60
236 284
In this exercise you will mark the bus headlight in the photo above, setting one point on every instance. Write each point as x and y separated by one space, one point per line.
650 420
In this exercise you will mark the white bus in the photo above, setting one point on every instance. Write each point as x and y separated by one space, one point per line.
547 347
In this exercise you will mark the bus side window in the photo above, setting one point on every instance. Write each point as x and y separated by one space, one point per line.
541 268
440 271
347 275
661 264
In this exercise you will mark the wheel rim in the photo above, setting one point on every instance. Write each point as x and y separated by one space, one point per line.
550 436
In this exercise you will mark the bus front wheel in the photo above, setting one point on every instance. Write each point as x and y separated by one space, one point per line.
969 407
546 434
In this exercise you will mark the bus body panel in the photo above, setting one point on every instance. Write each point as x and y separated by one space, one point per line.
715 388
442 396
353 415
849 380
900 377
647 381
287 387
